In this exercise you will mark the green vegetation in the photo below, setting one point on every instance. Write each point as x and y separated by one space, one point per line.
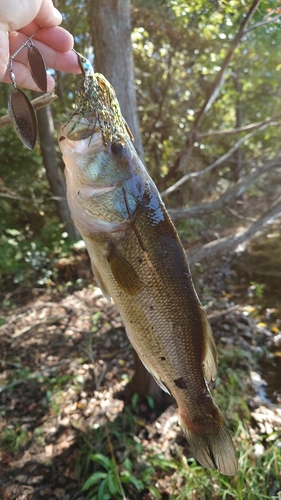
13 438
129 466
30 260
110 484
179 50
116 460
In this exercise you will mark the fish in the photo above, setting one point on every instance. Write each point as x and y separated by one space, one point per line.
139 262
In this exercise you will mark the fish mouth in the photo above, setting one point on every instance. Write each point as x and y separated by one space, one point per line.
81 134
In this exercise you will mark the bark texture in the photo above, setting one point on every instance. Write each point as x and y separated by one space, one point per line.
53 172
111 34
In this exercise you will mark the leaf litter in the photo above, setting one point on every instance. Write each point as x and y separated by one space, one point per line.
64 362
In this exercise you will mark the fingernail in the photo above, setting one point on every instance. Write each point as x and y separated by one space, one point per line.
50 83
57 15
72 41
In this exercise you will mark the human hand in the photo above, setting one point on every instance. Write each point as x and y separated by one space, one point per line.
19 19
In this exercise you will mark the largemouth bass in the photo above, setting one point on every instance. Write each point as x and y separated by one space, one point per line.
138 260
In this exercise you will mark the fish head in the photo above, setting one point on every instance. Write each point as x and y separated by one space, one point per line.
96 173
91 160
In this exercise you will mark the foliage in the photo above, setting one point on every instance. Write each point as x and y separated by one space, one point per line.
138 465
13 438
137 470
30 260
109 485
45 376
178 51
179 48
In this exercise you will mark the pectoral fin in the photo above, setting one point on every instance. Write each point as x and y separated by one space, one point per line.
123 271
100 282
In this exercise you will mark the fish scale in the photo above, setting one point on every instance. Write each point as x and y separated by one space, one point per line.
139 262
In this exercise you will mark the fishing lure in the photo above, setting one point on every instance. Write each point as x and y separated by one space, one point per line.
96 103
20 109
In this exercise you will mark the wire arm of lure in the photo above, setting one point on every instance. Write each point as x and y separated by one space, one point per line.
27 43
20 109
11 73
37 66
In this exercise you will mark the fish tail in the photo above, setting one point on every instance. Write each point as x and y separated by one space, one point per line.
211 444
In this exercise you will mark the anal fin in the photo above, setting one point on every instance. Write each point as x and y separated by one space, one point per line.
157 379
210 358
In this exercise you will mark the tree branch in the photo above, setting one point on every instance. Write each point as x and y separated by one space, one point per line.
213 165
241 217
14 197
37 103
232 131
262 23
29 200
218 82
239 188
213 93
230 243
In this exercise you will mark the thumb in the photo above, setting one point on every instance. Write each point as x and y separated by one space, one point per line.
4 53
48 15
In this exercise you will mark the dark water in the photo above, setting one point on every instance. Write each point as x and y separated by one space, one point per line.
271 373
257 281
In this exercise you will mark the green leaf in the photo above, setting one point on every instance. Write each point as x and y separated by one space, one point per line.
113 485
103 460
13 232
126 477
127 464
161 461
93 479
135 400
102 491
150 402
154 491
80 379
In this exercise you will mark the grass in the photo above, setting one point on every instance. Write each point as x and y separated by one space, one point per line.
126 458
125 467
258 477
13 438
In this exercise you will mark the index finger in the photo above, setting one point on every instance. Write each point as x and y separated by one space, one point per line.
55 37
48 15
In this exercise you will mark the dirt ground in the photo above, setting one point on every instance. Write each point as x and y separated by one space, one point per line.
64 358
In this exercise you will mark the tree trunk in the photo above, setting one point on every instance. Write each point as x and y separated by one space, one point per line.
111 33
238 155
53 172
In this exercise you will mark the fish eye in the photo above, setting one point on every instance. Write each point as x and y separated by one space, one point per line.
118 148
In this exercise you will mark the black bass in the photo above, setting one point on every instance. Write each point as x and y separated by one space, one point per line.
138 260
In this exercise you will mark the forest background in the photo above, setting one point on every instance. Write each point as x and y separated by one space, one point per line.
202 97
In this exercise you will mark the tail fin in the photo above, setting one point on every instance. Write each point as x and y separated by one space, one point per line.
213 448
